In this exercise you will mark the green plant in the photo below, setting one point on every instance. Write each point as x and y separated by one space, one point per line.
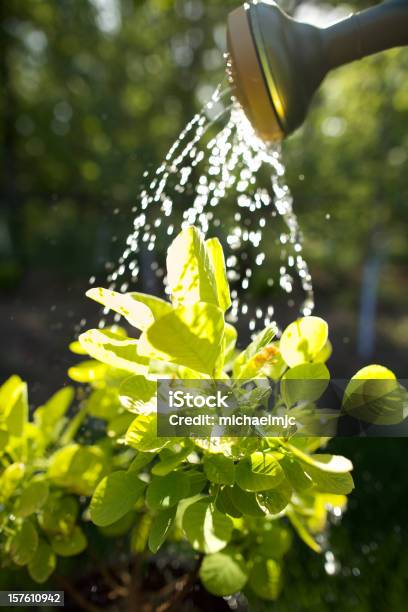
233 499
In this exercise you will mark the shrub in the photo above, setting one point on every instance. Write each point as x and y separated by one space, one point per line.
236 501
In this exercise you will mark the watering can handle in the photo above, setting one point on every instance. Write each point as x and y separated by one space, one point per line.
376 29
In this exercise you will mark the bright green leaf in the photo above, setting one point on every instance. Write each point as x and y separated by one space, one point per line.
302 340
219 469
114 496
206 528
189 336
43 562
224 573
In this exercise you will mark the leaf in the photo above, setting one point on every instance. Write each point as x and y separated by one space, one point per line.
230 340
302 340
303 532
190 336
190 271
136 313
157 306
330 482
259 472
224 573
43 563
206 528
138 394
14 405
71 544
10 479
48 415
140 533
167 491
59 514
23 543
266 579
103 404
114 350
251 361
225 504
142 434
324 462
219 469
160 529
216 256
274 540
77 468
32 498
169 460
114 497
276 499
374 396
304 383
295 473
119 527
88 371
245 502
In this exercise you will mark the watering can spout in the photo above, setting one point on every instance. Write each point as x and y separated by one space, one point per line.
278 63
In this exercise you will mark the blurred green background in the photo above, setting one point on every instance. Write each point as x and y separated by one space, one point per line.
92 94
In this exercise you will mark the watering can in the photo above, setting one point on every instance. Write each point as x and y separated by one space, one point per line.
277 63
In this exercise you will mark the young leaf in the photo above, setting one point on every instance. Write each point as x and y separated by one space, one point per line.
48 416
305 382
189 336
10 479
14 405
302 340
161 526
259 472
190 272
266 579
113 350
324 462
157 306
69 545
276 499
216 255
32 498
224 573
43 562
138 394
256 356
206 528
167 491
136 313
302 531
88 371
59 514
115 496
142 434
78 468
23 543
219 469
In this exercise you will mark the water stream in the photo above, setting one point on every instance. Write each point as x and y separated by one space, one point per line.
219 176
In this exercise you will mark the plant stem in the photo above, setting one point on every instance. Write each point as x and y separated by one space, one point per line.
79 599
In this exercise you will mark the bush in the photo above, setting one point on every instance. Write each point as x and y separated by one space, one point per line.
236 501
